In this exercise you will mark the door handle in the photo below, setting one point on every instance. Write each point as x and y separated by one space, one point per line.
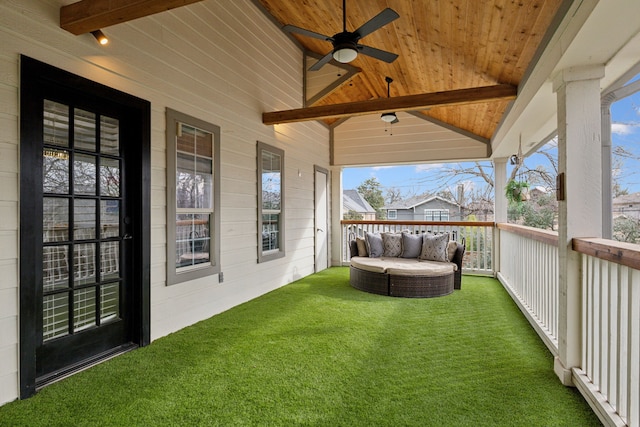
127 236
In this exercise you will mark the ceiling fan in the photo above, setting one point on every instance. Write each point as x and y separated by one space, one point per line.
345 44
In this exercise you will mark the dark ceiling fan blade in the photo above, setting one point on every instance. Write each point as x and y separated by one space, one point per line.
378 21
294 29
321 62
382 55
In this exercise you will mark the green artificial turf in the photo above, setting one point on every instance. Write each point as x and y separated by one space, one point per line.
320 353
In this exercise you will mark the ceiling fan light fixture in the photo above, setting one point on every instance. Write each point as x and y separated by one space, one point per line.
345 54
388 117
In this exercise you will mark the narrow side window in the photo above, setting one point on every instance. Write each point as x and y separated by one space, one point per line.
270 167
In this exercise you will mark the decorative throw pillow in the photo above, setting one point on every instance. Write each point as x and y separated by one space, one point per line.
362 247
375 248
434 247
452 246
411 245
392 243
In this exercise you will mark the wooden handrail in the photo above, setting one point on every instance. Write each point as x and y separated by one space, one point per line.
627 254
401 222
544 236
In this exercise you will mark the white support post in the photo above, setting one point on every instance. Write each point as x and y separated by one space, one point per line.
501 205
607 199
580 215
336 216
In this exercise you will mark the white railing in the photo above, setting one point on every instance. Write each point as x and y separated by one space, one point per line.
478 238
610 372
529 272
609 375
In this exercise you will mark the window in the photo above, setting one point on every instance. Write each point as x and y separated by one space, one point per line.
193 198
270 202
392 214
436 214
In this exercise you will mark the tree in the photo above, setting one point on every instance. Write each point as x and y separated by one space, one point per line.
626 229
353 215
371 190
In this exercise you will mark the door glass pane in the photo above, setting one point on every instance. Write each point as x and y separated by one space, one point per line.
109 136
55 220
192 239
84 129
84 309
84 264
109 302
109 177
55 316
84 174
109 218
55 268
56 124
109 261
55 171
84 219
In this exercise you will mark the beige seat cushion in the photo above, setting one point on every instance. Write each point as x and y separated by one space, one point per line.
374 265
420 268
403 266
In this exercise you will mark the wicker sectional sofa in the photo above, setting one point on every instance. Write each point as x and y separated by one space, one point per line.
406 276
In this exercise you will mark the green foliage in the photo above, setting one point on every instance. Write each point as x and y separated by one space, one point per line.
515 189
353 215
321 353
626 230
371 190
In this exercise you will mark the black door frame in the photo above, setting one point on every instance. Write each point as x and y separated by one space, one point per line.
36 81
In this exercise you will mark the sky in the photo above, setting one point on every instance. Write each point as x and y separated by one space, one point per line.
417 179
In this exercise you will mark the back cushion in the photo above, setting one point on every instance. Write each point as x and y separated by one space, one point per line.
375 248
452 246
362 247
434 247
411 245
392 243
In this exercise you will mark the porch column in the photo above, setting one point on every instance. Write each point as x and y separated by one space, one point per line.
500 205
336 215
580 215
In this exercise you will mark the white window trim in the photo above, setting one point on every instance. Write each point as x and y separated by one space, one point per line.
430 213
395 214
184 274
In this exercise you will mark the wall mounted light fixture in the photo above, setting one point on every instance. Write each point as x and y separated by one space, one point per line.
99 35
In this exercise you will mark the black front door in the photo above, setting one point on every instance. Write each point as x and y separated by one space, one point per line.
84 256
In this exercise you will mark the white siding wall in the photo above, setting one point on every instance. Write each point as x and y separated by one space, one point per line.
220 61
367 140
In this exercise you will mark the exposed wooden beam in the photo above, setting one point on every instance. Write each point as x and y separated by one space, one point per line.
399 103
90 15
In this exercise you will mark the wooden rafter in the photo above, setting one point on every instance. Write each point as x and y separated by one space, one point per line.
90 15
399 103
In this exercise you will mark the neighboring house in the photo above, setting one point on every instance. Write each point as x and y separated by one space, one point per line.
627 206
352 201
419 208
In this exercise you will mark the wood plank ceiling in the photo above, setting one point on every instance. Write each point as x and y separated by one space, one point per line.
443 45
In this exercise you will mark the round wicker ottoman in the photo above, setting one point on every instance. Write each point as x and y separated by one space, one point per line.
402 285
421 286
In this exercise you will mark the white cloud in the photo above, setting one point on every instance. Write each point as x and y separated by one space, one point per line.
428 167
376 168
622 128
